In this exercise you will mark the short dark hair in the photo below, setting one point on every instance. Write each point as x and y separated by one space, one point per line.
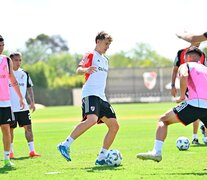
1 38
103 35
15 54
194 49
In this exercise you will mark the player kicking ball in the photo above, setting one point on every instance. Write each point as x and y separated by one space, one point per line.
193 76
95 108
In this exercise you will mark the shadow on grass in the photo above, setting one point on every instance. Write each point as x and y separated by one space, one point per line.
21 158
198 145
103 168
181 174
189 173
5 170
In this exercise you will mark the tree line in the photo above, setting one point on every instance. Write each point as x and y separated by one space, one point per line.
51 65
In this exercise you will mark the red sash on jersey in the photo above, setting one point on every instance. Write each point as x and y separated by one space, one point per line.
90 58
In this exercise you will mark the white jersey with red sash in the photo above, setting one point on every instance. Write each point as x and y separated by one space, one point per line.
95 83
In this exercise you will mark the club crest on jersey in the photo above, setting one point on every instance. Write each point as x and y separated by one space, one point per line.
150 79
93 108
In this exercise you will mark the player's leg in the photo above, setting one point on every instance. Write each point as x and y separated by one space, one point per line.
13 125
107 116
205 135
5 128
204 132
30 140
113 128
64 147
90 111
11 154
181 113
5 119
195 132
161 134
84 126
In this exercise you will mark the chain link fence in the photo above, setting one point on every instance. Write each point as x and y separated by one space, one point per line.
124 85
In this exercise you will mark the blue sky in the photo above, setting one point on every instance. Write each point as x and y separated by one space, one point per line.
154 22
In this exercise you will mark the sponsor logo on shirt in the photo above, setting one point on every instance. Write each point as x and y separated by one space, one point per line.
102 69
20 84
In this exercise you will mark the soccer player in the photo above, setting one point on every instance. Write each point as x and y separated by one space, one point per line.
6 74
192 38
177 62
95 108
22 116
193 76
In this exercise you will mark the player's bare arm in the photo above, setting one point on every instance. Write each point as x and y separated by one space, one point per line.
88 70
30 94
183 74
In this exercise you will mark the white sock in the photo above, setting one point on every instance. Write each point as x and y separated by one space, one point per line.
31 146
102 154
68 141
11 148
195 136
6 155
158 147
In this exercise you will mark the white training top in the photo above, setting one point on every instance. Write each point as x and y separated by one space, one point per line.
24 82
96 82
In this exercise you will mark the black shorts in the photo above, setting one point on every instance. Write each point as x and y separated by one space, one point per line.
23 118
95 105
5 115
188 114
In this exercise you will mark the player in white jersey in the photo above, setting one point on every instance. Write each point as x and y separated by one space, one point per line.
22 117
95 108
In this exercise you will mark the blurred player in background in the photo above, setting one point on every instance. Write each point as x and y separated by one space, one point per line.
22 117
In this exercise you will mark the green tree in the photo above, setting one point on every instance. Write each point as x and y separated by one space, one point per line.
42 75
120 60
41 47
63 64
143 56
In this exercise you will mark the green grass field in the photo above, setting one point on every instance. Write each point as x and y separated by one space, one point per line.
137 129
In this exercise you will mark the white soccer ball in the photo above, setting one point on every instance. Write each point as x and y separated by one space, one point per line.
114 157
182 143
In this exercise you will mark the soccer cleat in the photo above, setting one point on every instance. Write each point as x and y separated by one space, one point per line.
33 153
11 155
64 151
8 163
101 162
195 141
150 156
